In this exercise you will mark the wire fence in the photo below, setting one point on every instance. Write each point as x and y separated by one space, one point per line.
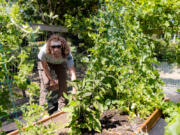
21 95
170 74
169 71
18 96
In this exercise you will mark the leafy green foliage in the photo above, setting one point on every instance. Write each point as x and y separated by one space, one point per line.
121 37
178 90
120 66
33 112
159 20
25 67
14 65
53 11
173 127
9 39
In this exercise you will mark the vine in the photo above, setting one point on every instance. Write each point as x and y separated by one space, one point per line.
121 71
14 57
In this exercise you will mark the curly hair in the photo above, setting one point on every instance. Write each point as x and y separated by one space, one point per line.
65 47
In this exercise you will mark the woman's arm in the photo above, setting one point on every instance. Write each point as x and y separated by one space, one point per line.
73 77
47 72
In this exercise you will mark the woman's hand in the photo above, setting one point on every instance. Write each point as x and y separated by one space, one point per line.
52 82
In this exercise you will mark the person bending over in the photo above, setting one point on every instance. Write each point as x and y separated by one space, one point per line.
55 55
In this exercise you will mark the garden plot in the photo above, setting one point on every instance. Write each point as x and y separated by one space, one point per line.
170 75
9 126
112 122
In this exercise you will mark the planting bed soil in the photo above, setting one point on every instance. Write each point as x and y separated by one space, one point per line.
115 122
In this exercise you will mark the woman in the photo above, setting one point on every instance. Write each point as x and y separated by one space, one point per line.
55 55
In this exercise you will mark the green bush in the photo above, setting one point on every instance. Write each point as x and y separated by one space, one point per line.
173 127
120 68
159 20
14 64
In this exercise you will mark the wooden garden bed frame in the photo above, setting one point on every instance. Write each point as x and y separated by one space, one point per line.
146 126
40 121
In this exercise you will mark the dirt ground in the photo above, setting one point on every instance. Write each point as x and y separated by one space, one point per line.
114 122
119 122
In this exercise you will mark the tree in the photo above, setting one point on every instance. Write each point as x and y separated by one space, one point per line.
53 11
159 20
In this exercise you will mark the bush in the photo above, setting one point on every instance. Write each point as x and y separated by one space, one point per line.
120 69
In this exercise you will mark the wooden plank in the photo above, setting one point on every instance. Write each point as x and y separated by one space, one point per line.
52 28
39 122
50 117
150 122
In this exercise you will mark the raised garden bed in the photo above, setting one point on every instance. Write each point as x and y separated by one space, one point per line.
113 122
